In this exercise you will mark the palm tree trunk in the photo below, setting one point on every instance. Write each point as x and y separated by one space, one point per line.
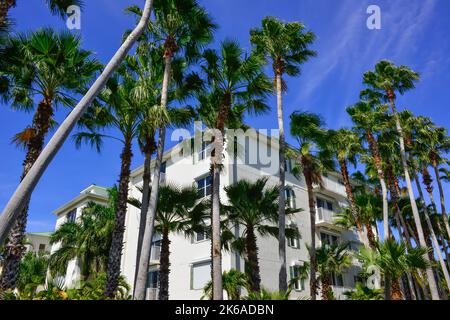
325 288
23 192
373 145
351 199
433 235
15 247
430 276
441 195
396 290
146 180
141 278
252 256
164 266
282 276
312 254
115 251
403 232
370 235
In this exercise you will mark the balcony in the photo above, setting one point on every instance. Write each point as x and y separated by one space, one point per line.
338 292
326 218
152 294
331 187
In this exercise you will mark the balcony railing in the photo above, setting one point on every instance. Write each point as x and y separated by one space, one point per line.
333 186
152 294
325 216
162 178
338 292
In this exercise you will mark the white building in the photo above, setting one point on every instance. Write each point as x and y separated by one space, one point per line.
190 257
71 211
38 242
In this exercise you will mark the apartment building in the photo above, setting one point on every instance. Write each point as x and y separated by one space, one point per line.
256 156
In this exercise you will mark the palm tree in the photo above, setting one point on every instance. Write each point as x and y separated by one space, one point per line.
286 45
117 109
331 260
437 143
181 27
307 129
392 258
32 273
254 206
88 239
363 293
386 80
369 207
235 85
369 117
40 65
179 210
57 7
345 145
147 67
23 192
233 281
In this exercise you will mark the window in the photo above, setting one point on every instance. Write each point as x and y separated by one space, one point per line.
328 239
295 274
204 151
290 195
41 248
336 280
200 236
204 186
295 241
152 279
72 215
200 275
156 250
288 165
163 167
325 204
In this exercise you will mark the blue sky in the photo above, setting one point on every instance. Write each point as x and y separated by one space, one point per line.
414 33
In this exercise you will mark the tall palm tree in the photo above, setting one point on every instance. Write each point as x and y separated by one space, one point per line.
386 81
392 258
286 45
40 65
147 67
23 192
331 260
87 239
57 7
181 27
236 85
254 206
116 109
345 146
437 142
179 210
369 117
311 161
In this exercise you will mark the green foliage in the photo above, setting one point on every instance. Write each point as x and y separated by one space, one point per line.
87 239
32 273
232 281
265 294
93 289
364 293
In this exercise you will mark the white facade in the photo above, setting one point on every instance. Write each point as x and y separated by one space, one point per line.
190 259
38 242
72 211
